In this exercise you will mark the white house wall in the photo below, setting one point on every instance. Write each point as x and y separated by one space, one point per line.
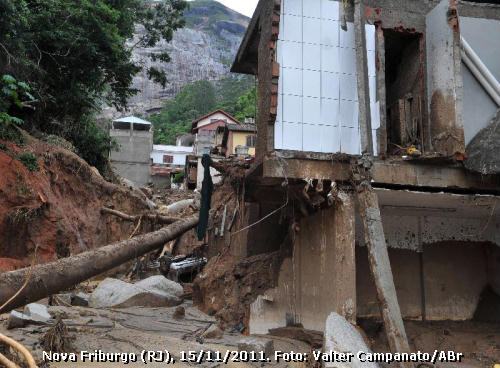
318 99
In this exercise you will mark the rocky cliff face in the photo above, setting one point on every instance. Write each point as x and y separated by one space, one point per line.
203 50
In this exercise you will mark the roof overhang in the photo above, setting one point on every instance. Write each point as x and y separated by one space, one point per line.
246 60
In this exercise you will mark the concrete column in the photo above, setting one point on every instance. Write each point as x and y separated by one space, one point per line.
324 265
365 122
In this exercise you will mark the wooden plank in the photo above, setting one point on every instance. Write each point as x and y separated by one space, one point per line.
380 267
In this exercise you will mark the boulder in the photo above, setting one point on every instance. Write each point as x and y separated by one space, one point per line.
341 336
156 291
17 320
33 314
257 345
80 299
213 332
37 312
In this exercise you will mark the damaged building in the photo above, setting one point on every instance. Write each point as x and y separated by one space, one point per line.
403 95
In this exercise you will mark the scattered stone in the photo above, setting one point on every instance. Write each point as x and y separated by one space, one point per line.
17 320
179 312
252 344
80 299
37 312
341 336
156 291
213 332
33 314
62 299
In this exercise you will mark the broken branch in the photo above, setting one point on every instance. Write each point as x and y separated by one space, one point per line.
155 217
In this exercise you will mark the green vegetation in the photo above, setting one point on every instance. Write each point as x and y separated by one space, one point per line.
29 160
236 95
179 178
75 57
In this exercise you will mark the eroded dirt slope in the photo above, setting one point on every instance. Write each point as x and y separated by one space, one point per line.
55 208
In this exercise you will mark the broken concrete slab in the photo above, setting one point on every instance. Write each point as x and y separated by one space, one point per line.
156 291
257 345
341 336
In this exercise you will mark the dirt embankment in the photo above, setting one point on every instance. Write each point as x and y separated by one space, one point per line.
55 206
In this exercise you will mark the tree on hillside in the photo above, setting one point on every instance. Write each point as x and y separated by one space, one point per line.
233 94
74 56
175 119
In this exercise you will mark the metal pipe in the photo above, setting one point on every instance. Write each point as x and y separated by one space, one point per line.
480 71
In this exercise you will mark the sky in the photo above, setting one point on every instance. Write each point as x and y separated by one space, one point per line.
245 7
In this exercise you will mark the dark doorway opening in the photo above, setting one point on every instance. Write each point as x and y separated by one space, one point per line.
405 89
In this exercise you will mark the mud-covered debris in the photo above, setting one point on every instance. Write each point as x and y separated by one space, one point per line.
57 339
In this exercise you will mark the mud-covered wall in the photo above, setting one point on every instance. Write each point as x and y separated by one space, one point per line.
443 283
319 277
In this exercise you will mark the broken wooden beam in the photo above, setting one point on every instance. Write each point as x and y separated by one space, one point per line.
380 267
51 278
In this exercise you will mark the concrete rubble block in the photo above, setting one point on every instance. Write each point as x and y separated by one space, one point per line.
257 345
213 332
156 291
80 299
37 312
341 336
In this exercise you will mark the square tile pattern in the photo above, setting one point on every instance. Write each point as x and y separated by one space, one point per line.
318 98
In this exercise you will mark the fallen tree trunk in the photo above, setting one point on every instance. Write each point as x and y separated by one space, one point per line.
51 278
155 217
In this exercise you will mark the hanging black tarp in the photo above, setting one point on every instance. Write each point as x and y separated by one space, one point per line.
206 197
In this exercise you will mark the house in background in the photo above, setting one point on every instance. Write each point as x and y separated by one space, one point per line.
205 132
237 140
135 140
166 162
205 129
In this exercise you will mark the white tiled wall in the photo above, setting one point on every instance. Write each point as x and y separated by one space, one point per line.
318 102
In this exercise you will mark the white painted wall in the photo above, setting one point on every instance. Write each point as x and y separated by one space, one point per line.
318 101
178 152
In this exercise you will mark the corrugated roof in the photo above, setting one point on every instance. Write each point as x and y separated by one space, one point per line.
165 148
132 120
